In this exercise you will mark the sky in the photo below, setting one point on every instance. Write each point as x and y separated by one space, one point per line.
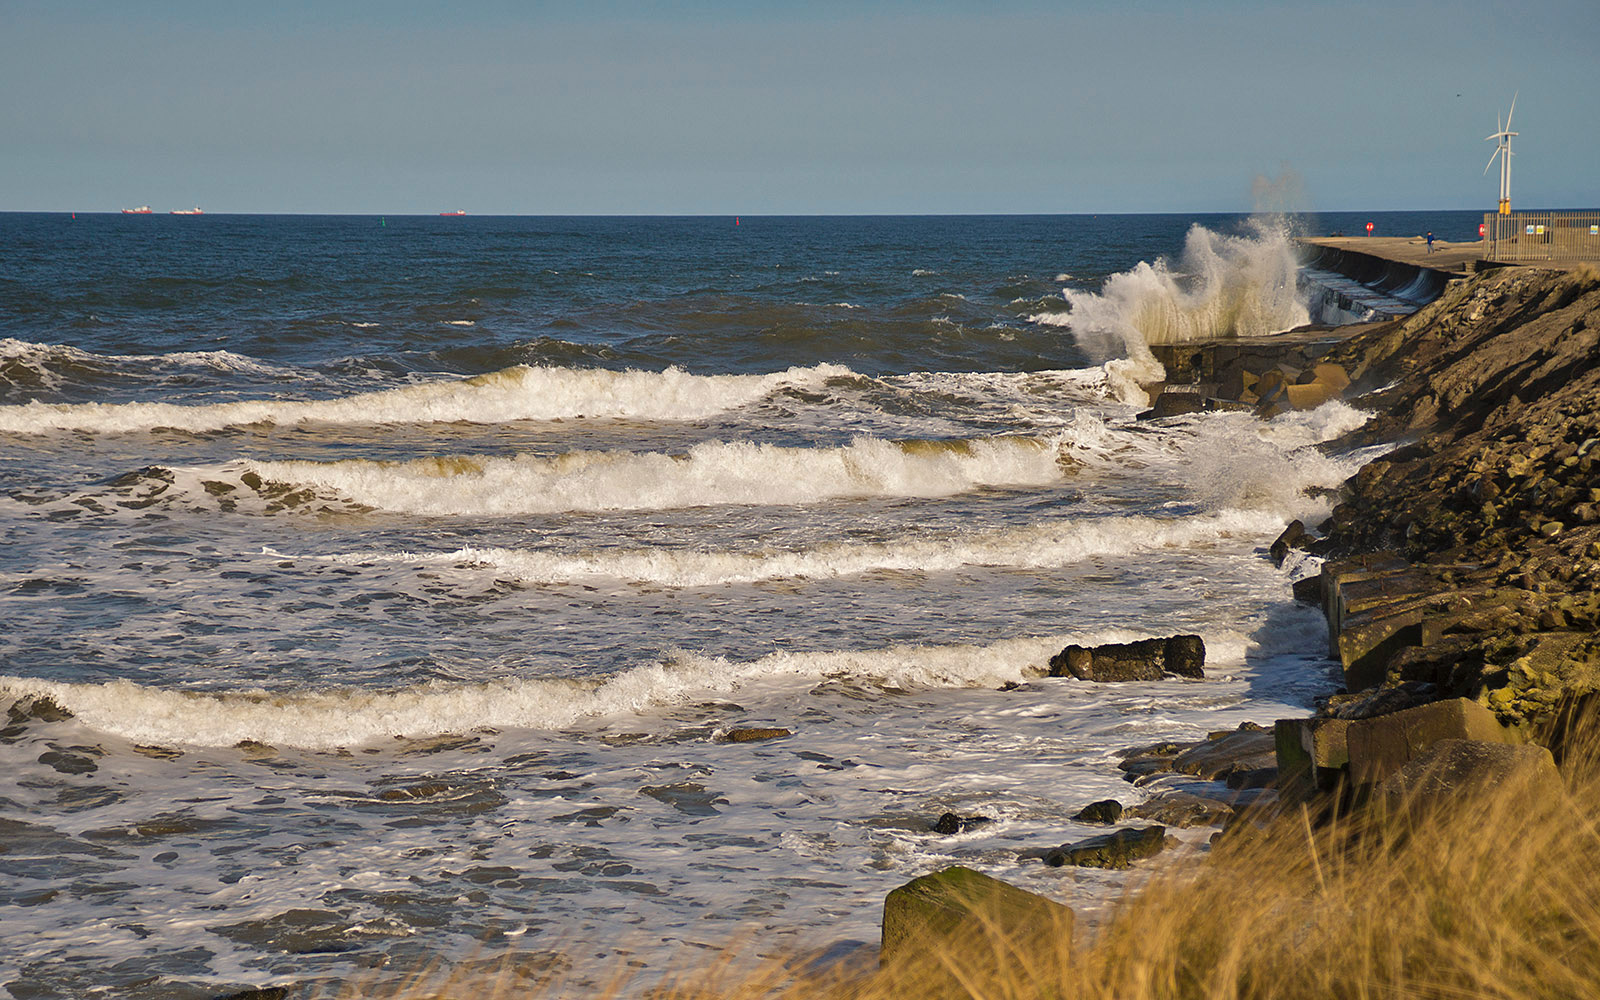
753 107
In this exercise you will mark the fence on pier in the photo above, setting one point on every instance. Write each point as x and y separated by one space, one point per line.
1534 237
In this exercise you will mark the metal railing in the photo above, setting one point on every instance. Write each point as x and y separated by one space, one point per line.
1532 237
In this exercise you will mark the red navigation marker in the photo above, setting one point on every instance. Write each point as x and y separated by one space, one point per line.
1369 229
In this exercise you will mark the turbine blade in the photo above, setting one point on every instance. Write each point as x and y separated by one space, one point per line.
1512 111
1491 161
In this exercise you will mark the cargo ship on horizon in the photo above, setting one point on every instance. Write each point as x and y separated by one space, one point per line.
141 210
187 211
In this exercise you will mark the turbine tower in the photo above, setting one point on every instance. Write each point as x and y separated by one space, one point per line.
1503 150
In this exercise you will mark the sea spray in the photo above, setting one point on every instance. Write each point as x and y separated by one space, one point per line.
1222 286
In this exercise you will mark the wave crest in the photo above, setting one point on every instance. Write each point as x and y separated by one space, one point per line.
713 472
517 393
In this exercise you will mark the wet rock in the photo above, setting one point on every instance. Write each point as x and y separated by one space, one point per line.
1182 809
1102 813
1245 749
37 708
265 993
1145 766
1173 404
68 763
754 734
1293 537
1112 850
950 823
956 919
1308 590
1144 660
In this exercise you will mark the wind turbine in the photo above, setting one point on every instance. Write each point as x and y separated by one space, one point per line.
1503 150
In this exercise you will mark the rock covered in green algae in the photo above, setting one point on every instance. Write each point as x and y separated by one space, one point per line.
1111 850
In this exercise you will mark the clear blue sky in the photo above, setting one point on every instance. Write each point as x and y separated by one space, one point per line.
752 107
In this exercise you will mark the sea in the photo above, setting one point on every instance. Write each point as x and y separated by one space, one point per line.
382 591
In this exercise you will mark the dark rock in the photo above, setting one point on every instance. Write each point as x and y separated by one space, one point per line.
1382 701
267 993
1135 768
1102 813
1308 590
1183 809
754 734
1293 537
1261 777
1241 750
37 708
950 823
1111 850
1173 404
68 763
1145 660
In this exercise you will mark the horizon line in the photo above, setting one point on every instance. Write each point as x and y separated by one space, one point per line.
1490 209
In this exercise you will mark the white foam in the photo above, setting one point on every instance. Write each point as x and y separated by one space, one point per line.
518 393
349 717
46 354
1035 547
1224 286
713 472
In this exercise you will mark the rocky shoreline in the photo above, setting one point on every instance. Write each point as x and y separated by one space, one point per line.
1460 581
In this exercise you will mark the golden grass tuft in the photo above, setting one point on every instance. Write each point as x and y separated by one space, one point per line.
1496 895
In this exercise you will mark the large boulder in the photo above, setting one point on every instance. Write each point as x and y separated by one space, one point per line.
1450 770
958 924
1144 660
1381 746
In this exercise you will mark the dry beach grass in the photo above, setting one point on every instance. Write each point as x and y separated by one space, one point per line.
1495 895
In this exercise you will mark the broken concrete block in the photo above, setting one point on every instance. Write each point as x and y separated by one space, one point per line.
1381 746
1451 770
1312 755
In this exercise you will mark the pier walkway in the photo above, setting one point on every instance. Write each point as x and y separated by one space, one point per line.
1456 260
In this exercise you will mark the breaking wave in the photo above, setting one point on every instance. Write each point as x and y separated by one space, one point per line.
714 472
1035 547
518 393
1222 286
342 717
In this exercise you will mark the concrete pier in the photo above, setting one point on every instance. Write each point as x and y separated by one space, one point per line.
1453 260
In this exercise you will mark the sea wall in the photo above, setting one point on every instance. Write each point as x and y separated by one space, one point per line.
1465 564
1414 283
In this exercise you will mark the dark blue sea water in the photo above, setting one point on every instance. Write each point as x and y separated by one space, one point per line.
401 576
